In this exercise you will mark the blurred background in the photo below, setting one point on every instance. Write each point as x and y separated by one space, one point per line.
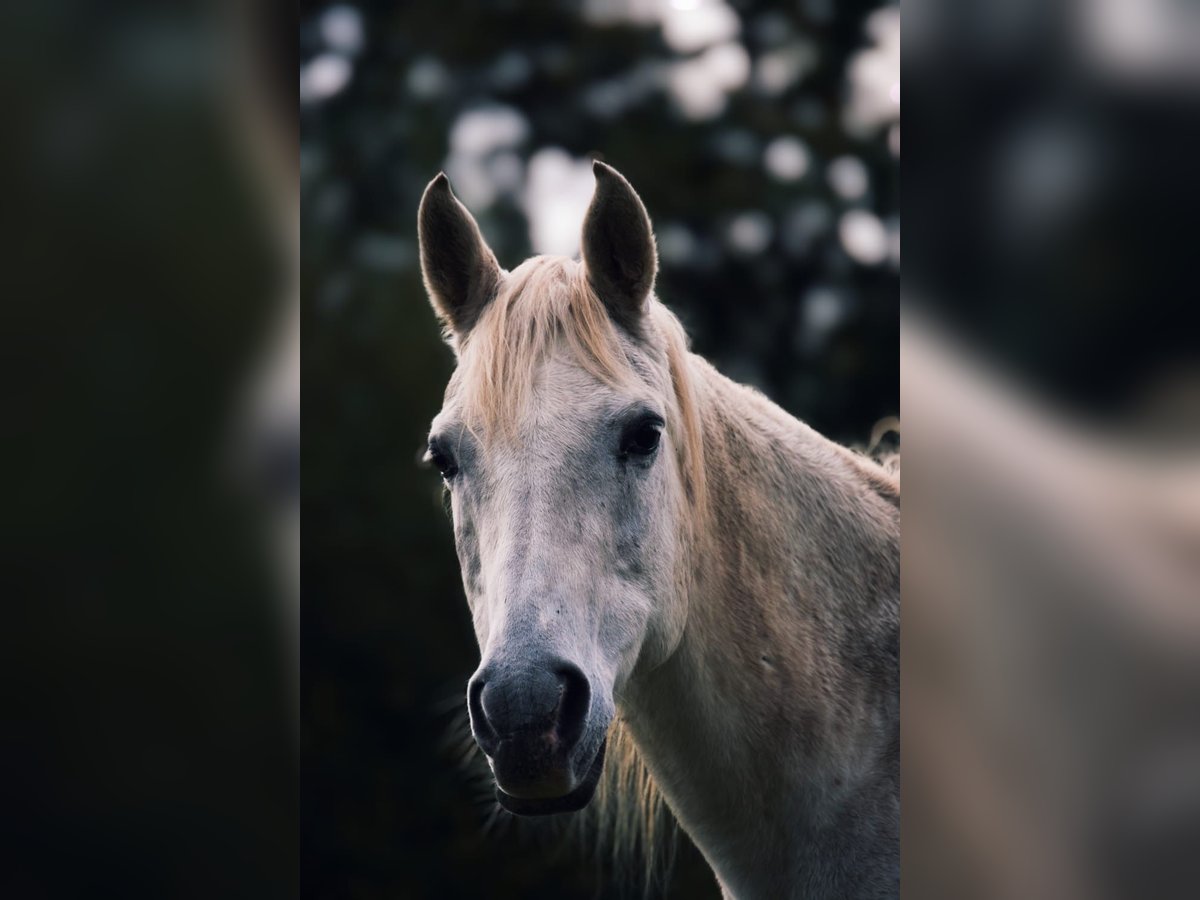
149 447
1050 363
763 138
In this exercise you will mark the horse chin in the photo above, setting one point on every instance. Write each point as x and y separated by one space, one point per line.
568 803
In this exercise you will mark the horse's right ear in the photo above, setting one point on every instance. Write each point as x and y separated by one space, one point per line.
460 271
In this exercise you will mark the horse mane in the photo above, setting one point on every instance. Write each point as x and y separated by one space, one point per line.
628 820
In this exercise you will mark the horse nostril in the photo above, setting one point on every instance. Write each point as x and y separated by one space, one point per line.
485 734
520 706
573 705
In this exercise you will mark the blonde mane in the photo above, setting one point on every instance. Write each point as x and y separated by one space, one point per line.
628 820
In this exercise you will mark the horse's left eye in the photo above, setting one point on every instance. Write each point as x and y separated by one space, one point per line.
441 460
642 437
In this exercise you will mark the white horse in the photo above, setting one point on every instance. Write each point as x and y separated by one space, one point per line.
654 553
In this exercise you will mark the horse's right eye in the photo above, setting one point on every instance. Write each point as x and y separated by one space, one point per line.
442 460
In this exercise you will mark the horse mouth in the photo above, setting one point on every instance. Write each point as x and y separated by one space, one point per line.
568 803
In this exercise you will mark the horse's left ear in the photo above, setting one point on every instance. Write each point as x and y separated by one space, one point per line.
618 247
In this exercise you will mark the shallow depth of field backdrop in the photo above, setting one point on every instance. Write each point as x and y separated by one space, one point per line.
764 139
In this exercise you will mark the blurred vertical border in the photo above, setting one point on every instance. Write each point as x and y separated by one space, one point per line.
1051 399
149 241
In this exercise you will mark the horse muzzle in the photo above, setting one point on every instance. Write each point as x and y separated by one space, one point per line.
542 732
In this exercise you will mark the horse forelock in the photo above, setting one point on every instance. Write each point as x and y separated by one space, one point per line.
542 305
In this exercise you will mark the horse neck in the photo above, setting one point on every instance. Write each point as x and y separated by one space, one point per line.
780 704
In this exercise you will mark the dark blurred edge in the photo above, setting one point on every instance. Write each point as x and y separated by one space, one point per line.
148 739
1051 196
1051 193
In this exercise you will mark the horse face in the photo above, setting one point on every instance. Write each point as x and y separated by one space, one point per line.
567 540
567 519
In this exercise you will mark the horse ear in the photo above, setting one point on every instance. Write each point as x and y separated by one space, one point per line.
618 246
461 273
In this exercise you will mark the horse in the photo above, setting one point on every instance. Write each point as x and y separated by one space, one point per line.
659 560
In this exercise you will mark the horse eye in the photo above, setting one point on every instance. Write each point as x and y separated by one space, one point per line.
441 460
642 438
